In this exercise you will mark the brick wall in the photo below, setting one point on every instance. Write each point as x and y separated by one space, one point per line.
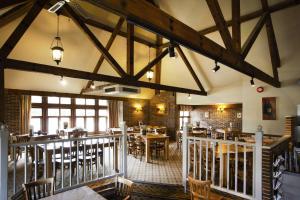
131 116
216 118
168 118
12 112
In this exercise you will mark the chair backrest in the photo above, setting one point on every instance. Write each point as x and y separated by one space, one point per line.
19 195
199 189
39 189
124 188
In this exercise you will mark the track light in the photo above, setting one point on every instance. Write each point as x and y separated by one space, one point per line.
93 85
189 97
252 82
62 81
216 68
172 53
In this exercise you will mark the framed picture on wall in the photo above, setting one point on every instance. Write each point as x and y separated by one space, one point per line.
269 108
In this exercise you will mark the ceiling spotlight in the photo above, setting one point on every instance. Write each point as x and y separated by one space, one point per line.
189 97
62 81
93 85
216 68
252 82
172 53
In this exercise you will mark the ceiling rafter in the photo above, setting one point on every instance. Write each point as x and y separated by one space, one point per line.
151 64
217 14
13 39
138 12
7 3
70 72
190 68
110 59
274 53
14 13
108 45
253 35
158 51
130 49
236 25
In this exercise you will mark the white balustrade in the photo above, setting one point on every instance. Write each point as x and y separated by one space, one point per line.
225 162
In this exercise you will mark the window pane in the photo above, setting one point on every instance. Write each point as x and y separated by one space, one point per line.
36 99
36 123
65 100
90 124
80 101
52 125
36 112
80 112
90 101
103 112
186 113
181 113
80 122
185 119
102 102
53 112
102 124
65 112
53 100
90 112
64 121
180 123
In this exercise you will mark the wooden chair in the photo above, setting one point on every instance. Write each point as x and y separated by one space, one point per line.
119 189
19 195
199 189
39 189
139 147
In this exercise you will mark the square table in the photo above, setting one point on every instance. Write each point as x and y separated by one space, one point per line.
76 194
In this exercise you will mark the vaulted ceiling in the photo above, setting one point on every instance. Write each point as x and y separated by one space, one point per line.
81 54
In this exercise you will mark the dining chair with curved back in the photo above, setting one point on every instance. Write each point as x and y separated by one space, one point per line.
39 189
199 189
123 188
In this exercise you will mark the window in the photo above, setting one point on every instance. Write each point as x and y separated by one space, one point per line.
65 112
184 116
36 99
53 100
36 119
103 119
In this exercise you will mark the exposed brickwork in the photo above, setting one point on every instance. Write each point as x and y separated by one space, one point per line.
12 112
131 116
216 118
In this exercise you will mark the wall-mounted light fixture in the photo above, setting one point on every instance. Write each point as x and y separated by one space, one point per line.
138 107
161 108
221 108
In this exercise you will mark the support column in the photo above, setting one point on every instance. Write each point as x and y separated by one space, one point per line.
3 139
258 165
185 155
124 148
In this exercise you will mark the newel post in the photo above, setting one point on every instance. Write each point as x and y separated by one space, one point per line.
124 146
185 155
258 164
3 161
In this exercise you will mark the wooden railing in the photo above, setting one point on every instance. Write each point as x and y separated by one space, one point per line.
233 167
72 162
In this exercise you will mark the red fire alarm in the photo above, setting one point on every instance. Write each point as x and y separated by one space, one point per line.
260 89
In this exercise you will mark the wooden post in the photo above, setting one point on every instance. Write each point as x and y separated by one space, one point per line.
124 146
258 165
185 155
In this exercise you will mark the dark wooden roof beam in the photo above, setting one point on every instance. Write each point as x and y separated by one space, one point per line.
236 25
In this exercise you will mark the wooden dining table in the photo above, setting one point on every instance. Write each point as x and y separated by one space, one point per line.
149 138
81 193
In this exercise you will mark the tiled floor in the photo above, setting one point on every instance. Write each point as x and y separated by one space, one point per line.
159 170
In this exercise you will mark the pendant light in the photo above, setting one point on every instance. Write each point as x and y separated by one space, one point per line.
62 81
189 97
150 72
93 86
56 46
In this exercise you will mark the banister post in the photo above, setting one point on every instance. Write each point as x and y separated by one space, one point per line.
258 164
124 146
185 155
3 161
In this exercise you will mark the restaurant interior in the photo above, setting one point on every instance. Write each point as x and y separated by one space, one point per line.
91 106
